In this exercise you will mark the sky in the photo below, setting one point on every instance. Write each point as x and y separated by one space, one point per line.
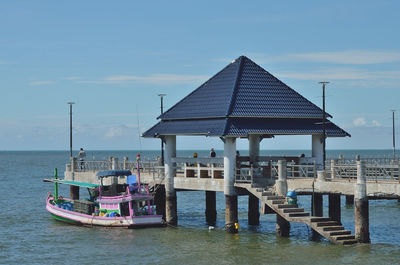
112 58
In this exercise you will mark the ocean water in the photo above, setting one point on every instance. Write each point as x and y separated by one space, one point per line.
30 236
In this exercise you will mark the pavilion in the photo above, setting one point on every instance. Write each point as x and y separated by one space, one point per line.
241 101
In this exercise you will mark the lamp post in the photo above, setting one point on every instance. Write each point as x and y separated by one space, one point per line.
162 112
394 137
323 124
70 128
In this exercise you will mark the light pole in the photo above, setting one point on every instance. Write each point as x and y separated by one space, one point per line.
323 124
70 128
162 112
394 137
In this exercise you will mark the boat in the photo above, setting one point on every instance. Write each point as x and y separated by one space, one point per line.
117 205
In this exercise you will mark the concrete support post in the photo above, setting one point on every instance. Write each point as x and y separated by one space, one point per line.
281 183
361 209
159 200
333 169
282 226
125 163
73 164
316 204
254 148
334 208
321 175
211 208
231 214
114 163
74 192
350 200
317 150
254 210
171 215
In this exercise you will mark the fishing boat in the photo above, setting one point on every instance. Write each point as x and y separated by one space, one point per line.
117 205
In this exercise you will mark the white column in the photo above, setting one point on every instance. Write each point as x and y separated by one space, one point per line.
360 192
281 182
254 147
317 150
229 165
170 170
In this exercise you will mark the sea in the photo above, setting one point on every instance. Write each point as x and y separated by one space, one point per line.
29 235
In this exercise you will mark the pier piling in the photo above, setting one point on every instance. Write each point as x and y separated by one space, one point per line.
349 200
282 226
231 213
334 208
159 200
171 215
211 208
254 210
74 192
361 209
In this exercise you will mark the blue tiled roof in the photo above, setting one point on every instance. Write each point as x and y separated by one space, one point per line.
243 99
241 127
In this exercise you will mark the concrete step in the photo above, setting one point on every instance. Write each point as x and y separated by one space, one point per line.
267 193
348 242
293 210
332 228
341 232
299 214
278 201
314 219
274 197
327 223
345 237
286 206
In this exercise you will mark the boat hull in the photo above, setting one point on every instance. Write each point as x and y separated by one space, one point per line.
75 218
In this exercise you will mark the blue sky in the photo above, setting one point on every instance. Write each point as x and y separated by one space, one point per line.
113 57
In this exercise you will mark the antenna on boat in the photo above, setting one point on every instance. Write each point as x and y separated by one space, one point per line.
138 127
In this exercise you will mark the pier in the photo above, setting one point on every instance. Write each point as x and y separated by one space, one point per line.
249 103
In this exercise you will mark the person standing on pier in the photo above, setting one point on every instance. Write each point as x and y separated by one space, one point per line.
212 153
81 157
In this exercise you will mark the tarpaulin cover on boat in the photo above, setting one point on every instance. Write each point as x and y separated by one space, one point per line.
110 173
73 183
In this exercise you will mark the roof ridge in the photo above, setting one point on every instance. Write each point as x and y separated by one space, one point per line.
234 89
196 89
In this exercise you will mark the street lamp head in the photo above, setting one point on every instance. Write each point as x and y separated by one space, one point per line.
161 95
323 82
70 103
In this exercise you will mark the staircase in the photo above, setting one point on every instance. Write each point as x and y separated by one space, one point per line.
331 230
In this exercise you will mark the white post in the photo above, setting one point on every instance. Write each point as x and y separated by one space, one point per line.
114 163
281 183
317 150
171 215
229 165
333 169
254 148
170 170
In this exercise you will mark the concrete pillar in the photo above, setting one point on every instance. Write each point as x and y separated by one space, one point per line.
321 175
361 209
282 226
316 204
171 215
254 148
334 208
317 150
254 210
114 163
211 208
281 182
333 169
125 163
159 200
74 192
350 200
231 214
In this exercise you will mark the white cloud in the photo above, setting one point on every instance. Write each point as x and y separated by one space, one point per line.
114 132
376 123
359 122
158 79
73 78
39 83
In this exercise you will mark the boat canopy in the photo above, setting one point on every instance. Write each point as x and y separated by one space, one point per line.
73 183
113 173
